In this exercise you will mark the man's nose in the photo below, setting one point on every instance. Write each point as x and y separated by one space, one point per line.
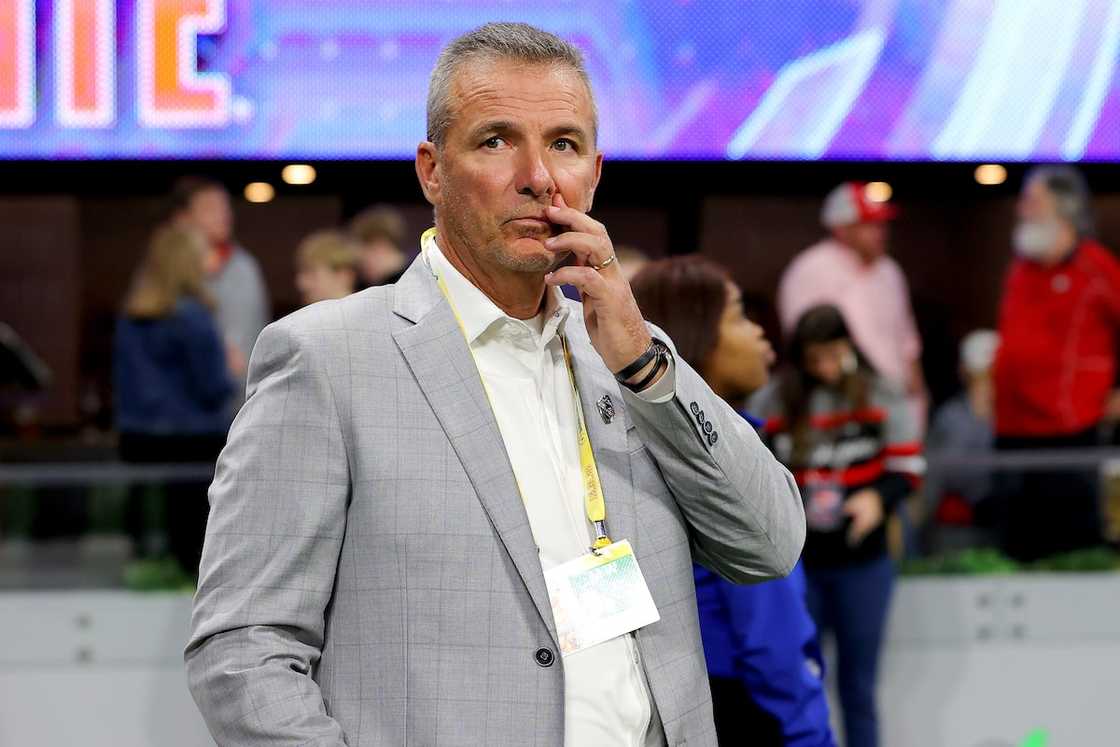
534 178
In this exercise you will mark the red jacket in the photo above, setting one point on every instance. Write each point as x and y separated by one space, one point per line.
1057 356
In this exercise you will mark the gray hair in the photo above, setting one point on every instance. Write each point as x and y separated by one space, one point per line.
496 41
1071 195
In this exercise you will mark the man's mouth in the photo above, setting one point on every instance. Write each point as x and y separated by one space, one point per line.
533 226
532 221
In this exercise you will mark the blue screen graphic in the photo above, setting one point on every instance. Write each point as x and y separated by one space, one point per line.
957 80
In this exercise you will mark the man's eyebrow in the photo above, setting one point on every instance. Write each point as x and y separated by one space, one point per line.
494 125
505 125
568 129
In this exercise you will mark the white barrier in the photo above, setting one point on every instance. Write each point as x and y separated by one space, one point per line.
970 663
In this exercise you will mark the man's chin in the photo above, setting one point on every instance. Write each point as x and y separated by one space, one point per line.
529 254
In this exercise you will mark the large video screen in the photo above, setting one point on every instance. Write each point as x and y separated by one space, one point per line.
963 80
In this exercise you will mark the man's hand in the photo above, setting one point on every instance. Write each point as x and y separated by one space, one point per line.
614 322
866 510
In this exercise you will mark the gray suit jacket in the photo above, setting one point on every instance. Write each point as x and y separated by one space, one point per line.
369 575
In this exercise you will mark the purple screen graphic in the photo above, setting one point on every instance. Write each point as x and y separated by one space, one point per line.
957 80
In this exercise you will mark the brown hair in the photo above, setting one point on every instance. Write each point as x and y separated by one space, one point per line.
686 297
171 270
380 222
330 248
819 324
184 191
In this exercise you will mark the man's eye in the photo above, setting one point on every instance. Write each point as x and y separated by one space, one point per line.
494 142
564 144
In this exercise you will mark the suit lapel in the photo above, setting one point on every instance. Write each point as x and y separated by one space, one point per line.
608 440
442 364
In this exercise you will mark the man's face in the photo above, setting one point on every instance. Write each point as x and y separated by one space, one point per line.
870 240
210 212
1036 203
1042 233
520 133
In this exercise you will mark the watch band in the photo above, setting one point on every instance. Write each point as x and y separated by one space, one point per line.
661 354
641 362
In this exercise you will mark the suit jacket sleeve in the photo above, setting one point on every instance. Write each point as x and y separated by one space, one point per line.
743 507
277 516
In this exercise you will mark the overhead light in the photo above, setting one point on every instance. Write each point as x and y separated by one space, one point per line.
990 174
298 173
878 191
259 192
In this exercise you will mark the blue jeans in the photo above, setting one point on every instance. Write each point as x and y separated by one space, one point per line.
852 602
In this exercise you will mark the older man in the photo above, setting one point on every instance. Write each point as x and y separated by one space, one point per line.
1056 366
400 544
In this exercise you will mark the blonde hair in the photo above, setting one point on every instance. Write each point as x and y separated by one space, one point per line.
171 270
330 248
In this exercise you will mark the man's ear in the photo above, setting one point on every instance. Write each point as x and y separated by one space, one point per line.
595 184
428 172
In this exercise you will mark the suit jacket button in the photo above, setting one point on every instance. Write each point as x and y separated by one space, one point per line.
694 407
544 657
700 417
712 438
708 427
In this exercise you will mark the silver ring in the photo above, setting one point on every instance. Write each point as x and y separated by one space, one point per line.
609 261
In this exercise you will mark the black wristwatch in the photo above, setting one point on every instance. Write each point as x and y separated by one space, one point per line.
656 350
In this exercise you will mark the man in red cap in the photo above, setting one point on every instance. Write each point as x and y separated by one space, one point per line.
851 270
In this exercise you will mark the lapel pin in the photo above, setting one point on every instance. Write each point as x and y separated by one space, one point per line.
606 408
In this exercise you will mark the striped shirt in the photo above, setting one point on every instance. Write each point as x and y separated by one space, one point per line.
877 446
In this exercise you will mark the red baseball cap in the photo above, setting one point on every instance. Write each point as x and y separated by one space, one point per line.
849 204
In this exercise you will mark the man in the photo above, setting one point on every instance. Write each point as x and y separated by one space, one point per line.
852 271
234 277
326 266
379 233
1056 365
409 466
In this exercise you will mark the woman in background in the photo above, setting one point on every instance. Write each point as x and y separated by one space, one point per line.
760 643
853 447
172 378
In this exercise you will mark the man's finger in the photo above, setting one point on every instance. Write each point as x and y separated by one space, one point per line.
589 282
589 250
559 212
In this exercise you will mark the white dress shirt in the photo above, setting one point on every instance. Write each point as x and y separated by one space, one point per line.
606 697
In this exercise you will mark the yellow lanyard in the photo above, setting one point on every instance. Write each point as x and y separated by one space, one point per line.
592 489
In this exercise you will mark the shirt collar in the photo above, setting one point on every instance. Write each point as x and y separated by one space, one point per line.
477 313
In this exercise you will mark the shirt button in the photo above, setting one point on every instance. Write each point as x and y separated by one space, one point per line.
544 657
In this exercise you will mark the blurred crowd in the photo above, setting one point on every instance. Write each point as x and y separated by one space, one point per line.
846 408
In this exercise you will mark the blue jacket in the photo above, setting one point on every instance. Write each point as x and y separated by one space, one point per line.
763 636
170 374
